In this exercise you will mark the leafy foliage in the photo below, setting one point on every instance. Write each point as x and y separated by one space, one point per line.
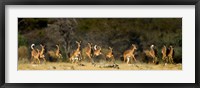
22 40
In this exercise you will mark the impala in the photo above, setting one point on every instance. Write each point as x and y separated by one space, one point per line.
128 54
171 54
97 50
110 55
164 54
34 54
88 52
58 53
153 53
76 54
42 53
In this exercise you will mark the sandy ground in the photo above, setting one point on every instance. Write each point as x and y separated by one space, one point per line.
98 66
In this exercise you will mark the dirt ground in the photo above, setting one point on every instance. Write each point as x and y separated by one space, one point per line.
97 66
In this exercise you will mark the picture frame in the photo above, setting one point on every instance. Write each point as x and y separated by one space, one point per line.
99 2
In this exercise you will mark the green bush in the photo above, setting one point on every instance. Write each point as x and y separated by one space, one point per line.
22 41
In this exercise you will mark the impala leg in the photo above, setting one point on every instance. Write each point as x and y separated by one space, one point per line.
87 56
84 58
113 59
128 59
155 59
106 58
134 58
32 60
37 60
44 59
165 59
60 57
171 60
125 59
91 60
70 60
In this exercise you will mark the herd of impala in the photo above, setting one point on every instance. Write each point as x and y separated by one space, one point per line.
94 51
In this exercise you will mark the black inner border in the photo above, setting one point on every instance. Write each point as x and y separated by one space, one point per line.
99 2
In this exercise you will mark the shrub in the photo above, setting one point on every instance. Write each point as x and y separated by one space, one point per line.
23 54
22 41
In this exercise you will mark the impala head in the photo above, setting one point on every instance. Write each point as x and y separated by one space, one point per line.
99 48
32 45
79 43
170 46
110 48
134 46
89 44
42 45
164 46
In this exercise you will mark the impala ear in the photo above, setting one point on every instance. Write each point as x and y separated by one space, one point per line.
111 48
133 45
98 47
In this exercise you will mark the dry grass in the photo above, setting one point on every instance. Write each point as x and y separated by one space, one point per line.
23 52
99 66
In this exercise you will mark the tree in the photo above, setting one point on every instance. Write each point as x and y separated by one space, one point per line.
63 33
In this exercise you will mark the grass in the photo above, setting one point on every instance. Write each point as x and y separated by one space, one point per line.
99 66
